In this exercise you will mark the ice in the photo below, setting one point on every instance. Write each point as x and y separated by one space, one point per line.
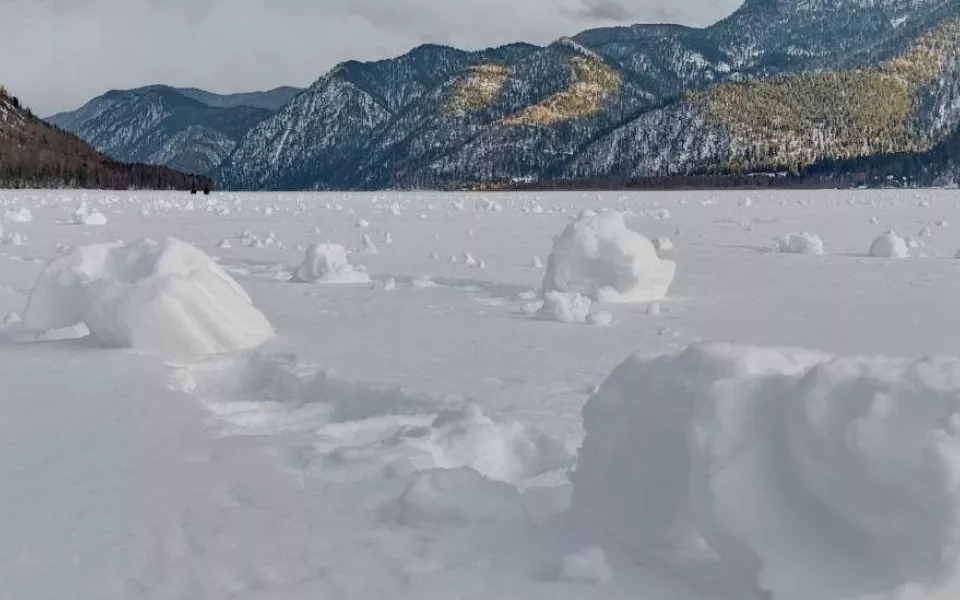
327 263
889 245
597 256
816 477
799 243
168 298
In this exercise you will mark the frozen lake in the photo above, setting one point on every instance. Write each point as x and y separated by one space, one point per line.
245 475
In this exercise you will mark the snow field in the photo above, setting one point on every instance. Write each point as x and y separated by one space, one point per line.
421 443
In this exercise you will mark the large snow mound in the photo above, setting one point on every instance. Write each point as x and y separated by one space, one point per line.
889 245
816 477
597 256
169 298
327 263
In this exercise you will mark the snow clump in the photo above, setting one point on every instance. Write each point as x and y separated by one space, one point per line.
597 256
367 246
663 244
327 263
889 245
87 216
565 307
799 243
18 215
815 477
601 318
168 298
12 238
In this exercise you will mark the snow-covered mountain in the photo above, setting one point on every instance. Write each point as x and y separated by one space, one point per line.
33 154
186 129
780 84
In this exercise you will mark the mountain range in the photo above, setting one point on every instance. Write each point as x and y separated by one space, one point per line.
779 86
38 155
183 128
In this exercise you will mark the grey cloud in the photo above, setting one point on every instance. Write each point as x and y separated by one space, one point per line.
606 10
57 54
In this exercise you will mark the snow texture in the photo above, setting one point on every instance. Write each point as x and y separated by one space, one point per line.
456 496
168 298
816 477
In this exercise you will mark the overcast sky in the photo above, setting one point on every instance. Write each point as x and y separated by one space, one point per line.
57 54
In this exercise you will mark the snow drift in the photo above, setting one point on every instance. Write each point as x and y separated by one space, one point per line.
597 256
169 298
818 478
327 263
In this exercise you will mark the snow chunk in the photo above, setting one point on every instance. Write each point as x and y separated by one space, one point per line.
367 246
327 263
18 215
169 298
799 243
457 496
86 216
566 307
816 477
663 244
588 566
597 256
12 239
889 245
503 451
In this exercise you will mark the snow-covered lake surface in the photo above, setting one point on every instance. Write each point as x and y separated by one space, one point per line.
411 429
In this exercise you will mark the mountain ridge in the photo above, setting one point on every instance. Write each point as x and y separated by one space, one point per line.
184 128
36 154
408 137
